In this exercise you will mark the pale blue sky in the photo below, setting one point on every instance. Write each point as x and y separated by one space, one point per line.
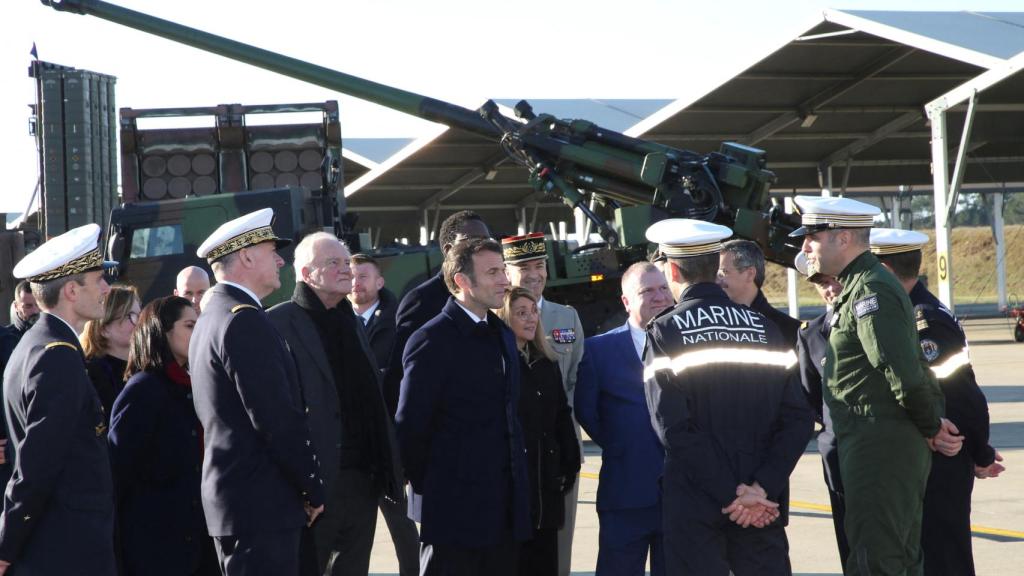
462 51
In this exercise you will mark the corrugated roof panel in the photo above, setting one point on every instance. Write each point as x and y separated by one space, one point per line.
984 39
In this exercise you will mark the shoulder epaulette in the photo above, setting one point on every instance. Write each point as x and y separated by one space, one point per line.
920 318
57 344
239 307
803 325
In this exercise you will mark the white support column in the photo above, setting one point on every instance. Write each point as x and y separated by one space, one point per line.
902 200
894 212
1000 238
425 228
522 221
579 223
940 177
792 276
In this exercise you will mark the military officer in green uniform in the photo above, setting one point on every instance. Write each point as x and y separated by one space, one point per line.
886 408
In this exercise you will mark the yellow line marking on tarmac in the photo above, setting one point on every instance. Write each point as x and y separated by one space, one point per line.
974 528
826 508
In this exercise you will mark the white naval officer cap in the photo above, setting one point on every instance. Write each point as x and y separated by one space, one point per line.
683 237
73 252
823 213
894 241
246 230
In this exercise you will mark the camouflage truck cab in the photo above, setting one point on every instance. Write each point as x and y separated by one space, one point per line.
155 240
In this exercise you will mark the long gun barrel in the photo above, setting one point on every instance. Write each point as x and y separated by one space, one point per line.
574 160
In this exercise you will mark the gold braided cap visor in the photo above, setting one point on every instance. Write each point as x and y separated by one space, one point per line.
92 260
244 240
679 251
837 220
894 249
524 248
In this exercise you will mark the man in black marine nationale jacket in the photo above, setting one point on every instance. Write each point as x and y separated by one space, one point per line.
58 515
726 403
261 479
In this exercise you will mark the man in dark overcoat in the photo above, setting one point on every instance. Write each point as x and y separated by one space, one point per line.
458 424
350 426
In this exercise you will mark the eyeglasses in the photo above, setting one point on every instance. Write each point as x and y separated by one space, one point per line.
525 314
132 317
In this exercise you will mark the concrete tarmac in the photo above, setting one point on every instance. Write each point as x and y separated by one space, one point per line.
998 508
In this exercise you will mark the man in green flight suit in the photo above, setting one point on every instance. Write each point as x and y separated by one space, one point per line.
886 408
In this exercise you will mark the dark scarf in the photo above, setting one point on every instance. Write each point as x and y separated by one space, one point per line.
23 325
336 327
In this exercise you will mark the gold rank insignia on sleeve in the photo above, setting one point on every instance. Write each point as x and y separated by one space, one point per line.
240 307
52 345
922 322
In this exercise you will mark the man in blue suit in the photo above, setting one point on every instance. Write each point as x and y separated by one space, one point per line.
611 407
458 424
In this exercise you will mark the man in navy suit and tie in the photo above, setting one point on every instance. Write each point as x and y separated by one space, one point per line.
611 407
458 424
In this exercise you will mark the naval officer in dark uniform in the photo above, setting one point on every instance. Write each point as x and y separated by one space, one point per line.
946 522
58 515
261 479
725 401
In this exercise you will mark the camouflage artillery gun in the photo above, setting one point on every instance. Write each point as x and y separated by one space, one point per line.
620 183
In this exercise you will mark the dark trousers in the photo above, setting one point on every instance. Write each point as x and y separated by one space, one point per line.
344 533
699 539
626 539
946 525
259 554
404 535
838 518
568 529
539 555
451 560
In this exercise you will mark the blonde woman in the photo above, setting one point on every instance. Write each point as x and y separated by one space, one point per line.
105 343
546 419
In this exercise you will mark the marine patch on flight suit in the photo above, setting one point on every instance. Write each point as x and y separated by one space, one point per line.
931 349
866 305
564 335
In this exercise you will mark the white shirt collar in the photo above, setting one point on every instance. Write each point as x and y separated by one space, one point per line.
639 336
476 319
540 304
70 327
368 314
243 289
